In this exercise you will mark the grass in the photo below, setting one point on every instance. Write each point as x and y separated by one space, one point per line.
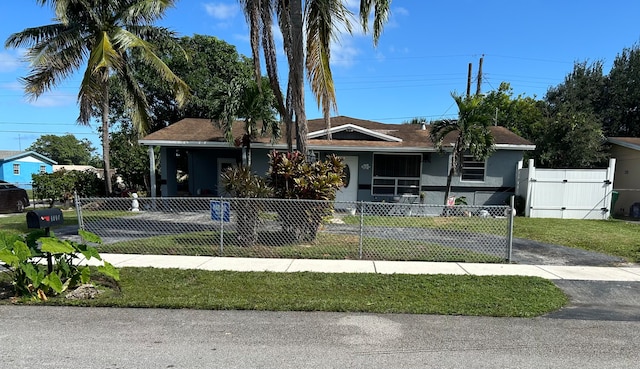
481 225
612 237
326 246
504 296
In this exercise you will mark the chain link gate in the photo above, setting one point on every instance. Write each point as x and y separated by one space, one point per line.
281 228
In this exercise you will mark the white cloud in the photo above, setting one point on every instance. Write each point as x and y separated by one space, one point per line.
12 86
222 11
400 11
9 63
53 100
343 54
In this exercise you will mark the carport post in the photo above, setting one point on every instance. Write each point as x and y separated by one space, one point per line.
510 230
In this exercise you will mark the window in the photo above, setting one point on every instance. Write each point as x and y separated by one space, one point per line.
16 169
472 169
396 174
43 169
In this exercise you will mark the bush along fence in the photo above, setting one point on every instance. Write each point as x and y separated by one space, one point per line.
282 228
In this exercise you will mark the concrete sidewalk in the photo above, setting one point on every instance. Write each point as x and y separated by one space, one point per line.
553 272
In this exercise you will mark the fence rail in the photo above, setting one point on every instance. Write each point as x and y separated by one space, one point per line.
276 228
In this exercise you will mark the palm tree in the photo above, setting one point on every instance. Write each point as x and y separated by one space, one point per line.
253 104
320 19
471 131
100 34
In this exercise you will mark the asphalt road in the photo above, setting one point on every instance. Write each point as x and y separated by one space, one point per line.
67 337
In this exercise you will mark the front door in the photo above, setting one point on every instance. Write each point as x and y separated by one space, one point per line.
223 164
350 191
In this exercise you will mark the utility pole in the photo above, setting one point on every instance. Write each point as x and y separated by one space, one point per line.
469 81
479 75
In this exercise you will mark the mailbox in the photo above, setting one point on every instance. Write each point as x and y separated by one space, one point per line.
44 218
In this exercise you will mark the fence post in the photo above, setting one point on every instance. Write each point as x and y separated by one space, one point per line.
221 212
362 208
512 212
76 200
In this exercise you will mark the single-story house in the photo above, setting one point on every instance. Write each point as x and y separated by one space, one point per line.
626 151
99 172
17 166
386 162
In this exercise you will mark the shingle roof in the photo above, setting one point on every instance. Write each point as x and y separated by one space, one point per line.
200 131
628 142
12 155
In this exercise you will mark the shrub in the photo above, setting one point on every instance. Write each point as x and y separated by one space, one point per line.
60 185
242 183
30 278
293 177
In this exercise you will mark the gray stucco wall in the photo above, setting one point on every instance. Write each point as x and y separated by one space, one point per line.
497 185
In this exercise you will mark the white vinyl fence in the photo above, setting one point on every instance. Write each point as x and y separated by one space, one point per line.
566 193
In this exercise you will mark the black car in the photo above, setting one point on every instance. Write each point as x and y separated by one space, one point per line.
12 199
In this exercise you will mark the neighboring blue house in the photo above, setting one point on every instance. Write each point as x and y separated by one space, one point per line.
386 162
17 166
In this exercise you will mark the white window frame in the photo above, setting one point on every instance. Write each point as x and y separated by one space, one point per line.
470 159
414 189
43 169
16 169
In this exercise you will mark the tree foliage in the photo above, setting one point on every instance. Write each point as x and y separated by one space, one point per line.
130 158
66 149
520 114
207 64
62 184
621 113
570 139
103 35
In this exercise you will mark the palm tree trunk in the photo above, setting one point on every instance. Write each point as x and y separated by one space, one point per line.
448 189
296 66
105 139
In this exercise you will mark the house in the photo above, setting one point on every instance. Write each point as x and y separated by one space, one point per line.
626 150
18 166
386 162
99 172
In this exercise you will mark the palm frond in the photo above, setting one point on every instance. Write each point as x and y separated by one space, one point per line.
126 40
323 17
136 101
381 10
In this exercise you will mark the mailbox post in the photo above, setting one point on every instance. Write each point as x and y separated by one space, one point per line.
45 219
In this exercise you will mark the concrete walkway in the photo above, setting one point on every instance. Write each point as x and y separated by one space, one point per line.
629 273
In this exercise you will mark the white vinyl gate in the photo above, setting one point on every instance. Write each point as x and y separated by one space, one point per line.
566 193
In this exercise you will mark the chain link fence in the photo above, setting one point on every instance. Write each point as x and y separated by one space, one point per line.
277 228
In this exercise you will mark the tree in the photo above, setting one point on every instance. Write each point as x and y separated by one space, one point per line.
470 132
65 149
321 20
108 32
519 114
582 89
570 139
253 103
207 64
130 158
621 115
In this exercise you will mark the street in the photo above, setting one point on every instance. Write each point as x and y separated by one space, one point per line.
67 337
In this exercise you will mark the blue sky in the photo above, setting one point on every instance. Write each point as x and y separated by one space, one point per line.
422 56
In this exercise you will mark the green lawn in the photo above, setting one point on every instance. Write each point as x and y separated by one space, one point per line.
613 237
505 296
